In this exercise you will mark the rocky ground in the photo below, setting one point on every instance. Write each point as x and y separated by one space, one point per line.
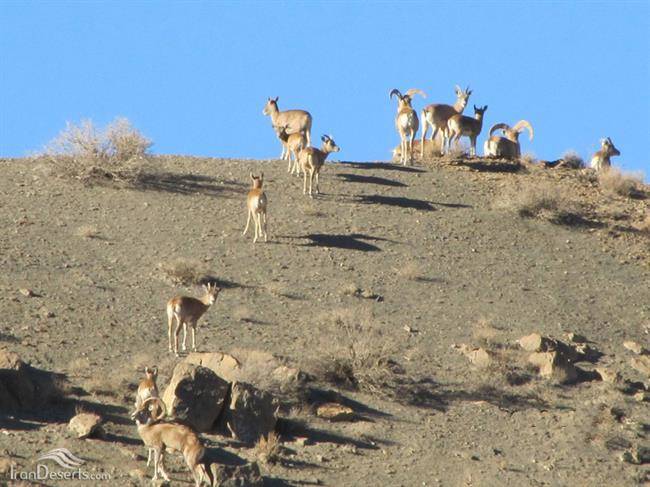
400 292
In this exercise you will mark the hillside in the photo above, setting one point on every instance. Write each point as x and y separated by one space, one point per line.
405 262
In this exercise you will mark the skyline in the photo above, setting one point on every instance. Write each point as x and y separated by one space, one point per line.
194 76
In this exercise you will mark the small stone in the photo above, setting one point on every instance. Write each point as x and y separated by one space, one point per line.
642 396
637 456
85 424
641 364
555 366
634 347
608 375
576 338
535 343
335 412
28 293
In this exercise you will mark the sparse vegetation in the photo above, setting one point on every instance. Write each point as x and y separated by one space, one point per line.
267 448
572 160
538 199
354 354
186 272
613 181
84 151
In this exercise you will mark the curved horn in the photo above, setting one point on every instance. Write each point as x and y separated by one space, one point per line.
498 126
395 91
163 408
521 124
414 91
252 177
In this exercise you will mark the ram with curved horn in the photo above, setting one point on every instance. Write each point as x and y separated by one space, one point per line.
437 117
293 121
406 121
601 160
507 145
160 436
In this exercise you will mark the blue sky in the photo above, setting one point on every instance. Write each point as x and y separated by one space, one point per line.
194 76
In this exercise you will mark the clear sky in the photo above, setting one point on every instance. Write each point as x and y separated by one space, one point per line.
194 76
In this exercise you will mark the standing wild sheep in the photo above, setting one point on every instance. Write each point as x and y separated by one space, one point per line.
312 160
406 122
160 436
256 202
437 115
461 125
187 311
295 121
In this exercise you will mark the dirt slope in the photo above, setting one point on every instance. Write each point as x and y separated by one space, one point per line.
430 246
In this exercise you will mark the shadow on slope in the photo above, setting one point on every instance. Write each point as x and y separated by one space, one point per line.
186 184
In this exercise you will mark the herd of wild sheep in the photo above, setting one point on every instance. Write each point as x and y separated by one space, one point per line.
293 129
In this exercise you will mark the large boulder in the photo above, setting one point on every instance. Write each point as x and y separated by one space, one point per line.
16 385
84 425
256 367
195 395
23 387
250 414
536 343
641 364
247 475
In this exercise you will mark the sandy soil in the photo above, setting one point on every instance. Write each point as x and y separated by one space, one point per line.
448 265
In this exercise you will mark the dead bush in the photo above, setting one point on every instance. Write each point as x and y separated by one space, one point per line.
352 351
538 199
572 159
86 152
267 448
615 182
186 272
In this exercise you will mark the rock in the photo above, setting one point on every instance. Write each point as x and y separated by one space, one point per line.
638 456
85 424
252 366
555 366
28 293
17 390
535 343
641 364
335 412
195 395
608 375
289 375
250 414
477 356
247 475
634 347
576 337
224 365
642 396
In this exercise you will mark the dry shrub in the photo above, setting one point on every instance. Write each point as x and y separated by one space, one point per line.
87 231
352 352
186 272
267 448
538 199
572 159
85 152
615 182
